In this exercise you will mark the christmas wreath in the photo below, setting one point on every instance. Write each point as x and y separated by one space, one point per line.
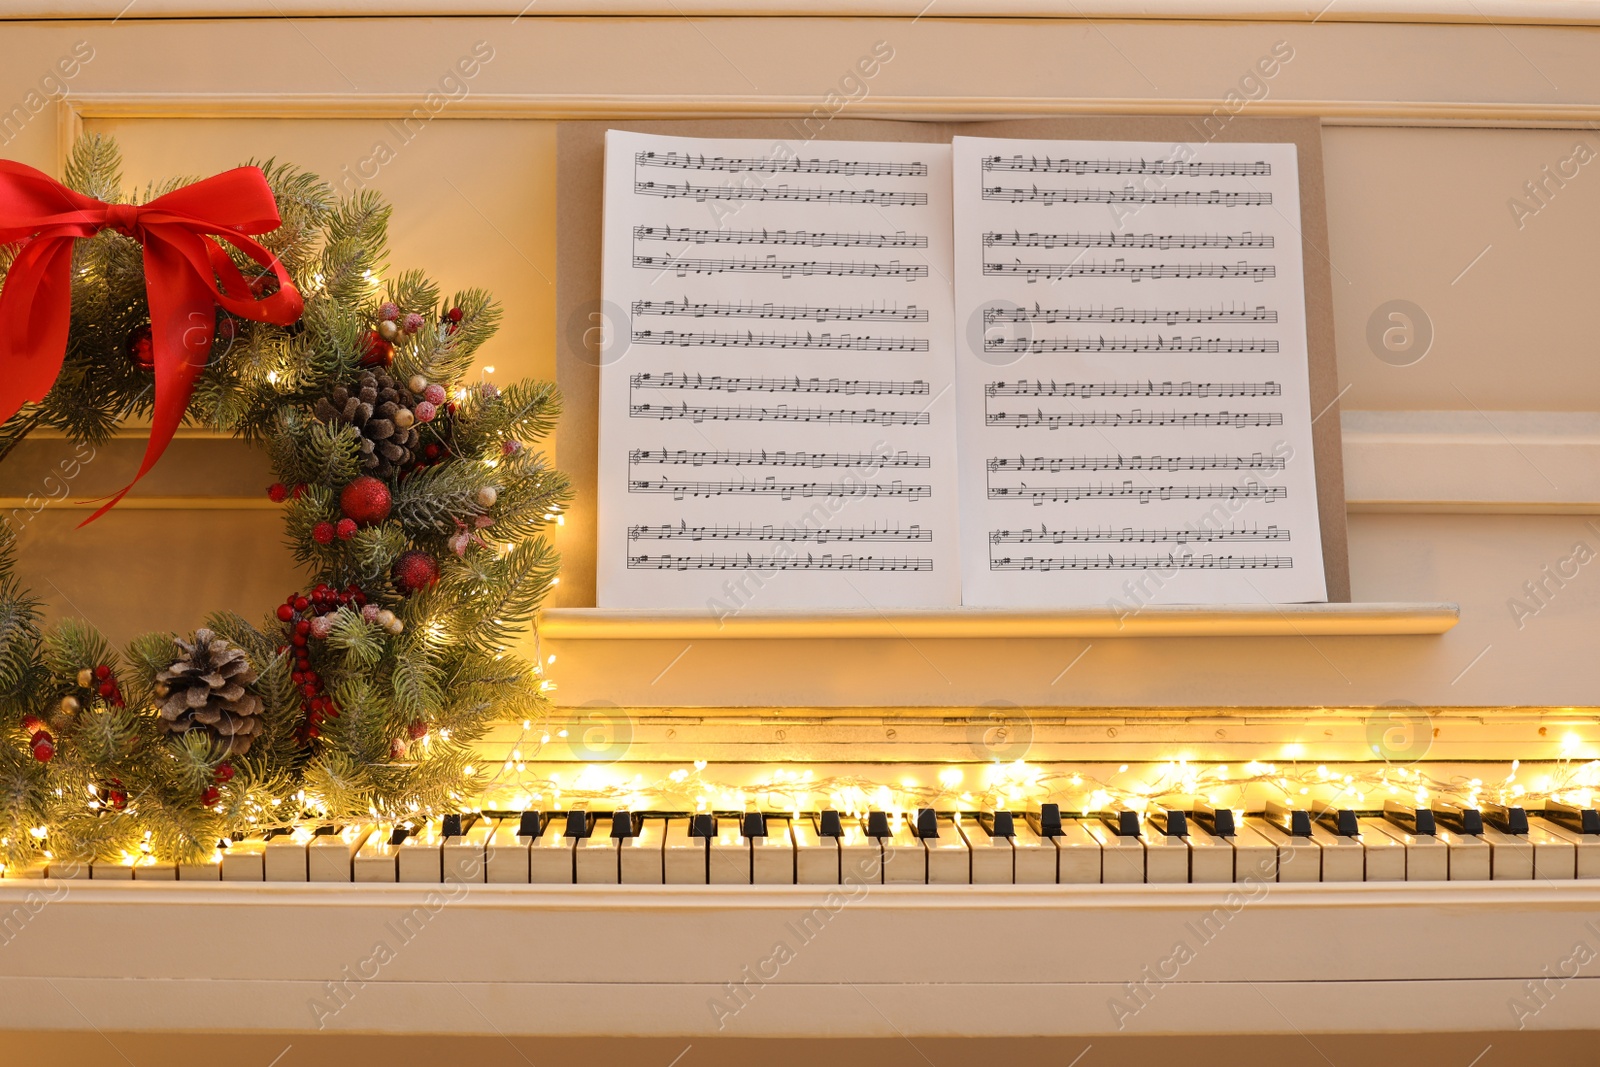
412 499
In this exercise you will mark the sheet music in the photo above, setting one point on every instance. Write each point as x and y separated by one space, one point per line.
1132 375
780 429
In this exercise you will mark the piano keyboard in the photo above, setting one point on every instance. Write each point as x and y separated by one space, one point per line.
1041 847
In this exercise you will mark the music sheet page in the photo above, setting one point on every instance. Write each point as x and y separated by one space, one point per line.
778 422
1132 375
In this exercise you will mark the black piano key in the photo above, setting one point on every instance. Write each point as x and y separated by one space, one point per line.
451 826
1170 823
1050 820
1215 821
623 826
1583 820
754 824
530 825
399 835
1419 821
1296 822
325 830
1123 823
878 824
578 823
703 825
1000 824
1507 820
1461 820
1342 822
927 824
830 825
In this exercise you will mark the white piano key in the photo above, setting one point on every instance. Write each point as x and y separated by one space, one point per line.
728 854
991 859
242 861
331 857
594 859
772 858
375 860
70 870
1427 857
1255 859
1210 857
550 854
461 857
683 858
154 870
1079 857
1299 858
639 857
905 858
1034 858
860 856
29 871
1587 845
112 871
816 858
1166 858
1470 856
1510 855
1344 859
1386 854
1555 858
419 860
207 870
284 858
1121 858
505 855
948 858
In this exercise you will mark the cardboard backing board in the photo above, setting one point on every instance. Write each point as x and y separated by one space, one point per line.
581 316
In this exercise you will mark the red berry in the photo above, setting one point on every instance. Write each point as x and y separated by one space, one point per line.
108 690
301 603
210 796
322 533
285 612
297 677
302 627
102 672
117 799
313 732
346 529
224 772
415 570
298 491
32 724
298 639
365 501
418 730
278 492
42 748
454 315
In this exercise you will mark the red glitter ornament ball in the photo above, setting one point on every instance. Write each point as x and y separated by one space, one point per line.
42 746
365 501
376 352
415 570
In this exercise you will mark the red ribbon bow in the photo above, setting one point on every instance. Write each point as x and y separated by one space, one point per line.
182 266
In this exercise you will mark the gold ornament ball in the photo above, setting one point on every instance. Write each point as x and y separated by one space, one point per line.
385 618
85 678
70 705
417 383
403 418
396 627
388 330
487 496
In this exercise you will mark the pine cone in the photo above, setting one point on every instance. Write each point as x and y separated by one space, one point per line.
205 690
373 405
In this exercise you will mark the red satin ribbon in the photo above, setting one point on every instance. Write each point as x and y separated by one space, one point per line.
182 267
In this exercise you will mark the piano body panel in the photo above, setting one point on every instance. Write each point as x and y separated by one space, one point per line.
936 961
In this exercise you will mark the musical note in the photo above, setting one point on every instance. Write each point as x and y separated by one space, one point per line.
887 313
784 237
1118 419
1136 271
763 458
1129 195
784 490
1171 561
837 343
1144 494
748 532
829 416
673 380
1172 317
1126 240
1158 167
782 192
1128 535
1129 345
1095 389
1257 462
787 268
757 165
807 562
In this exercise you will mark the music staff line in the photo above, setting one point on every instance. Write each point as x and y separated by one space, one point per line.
751 339
1129 535
758 165
1170 561
783 490
686 307
1180 420
1085 390
787 268
1171 317
721 383
1144 494
1258 272
1130 195
1055 465
780 413
782 193
750 532
807 562
1127 240
794 237
764 458
1130 345
1158 167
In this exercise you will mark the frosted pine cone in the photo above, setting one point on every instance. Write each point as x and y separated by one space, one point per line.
205 689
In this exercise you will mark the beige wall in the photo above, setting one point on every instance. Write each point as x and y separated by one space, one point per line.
1460 490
